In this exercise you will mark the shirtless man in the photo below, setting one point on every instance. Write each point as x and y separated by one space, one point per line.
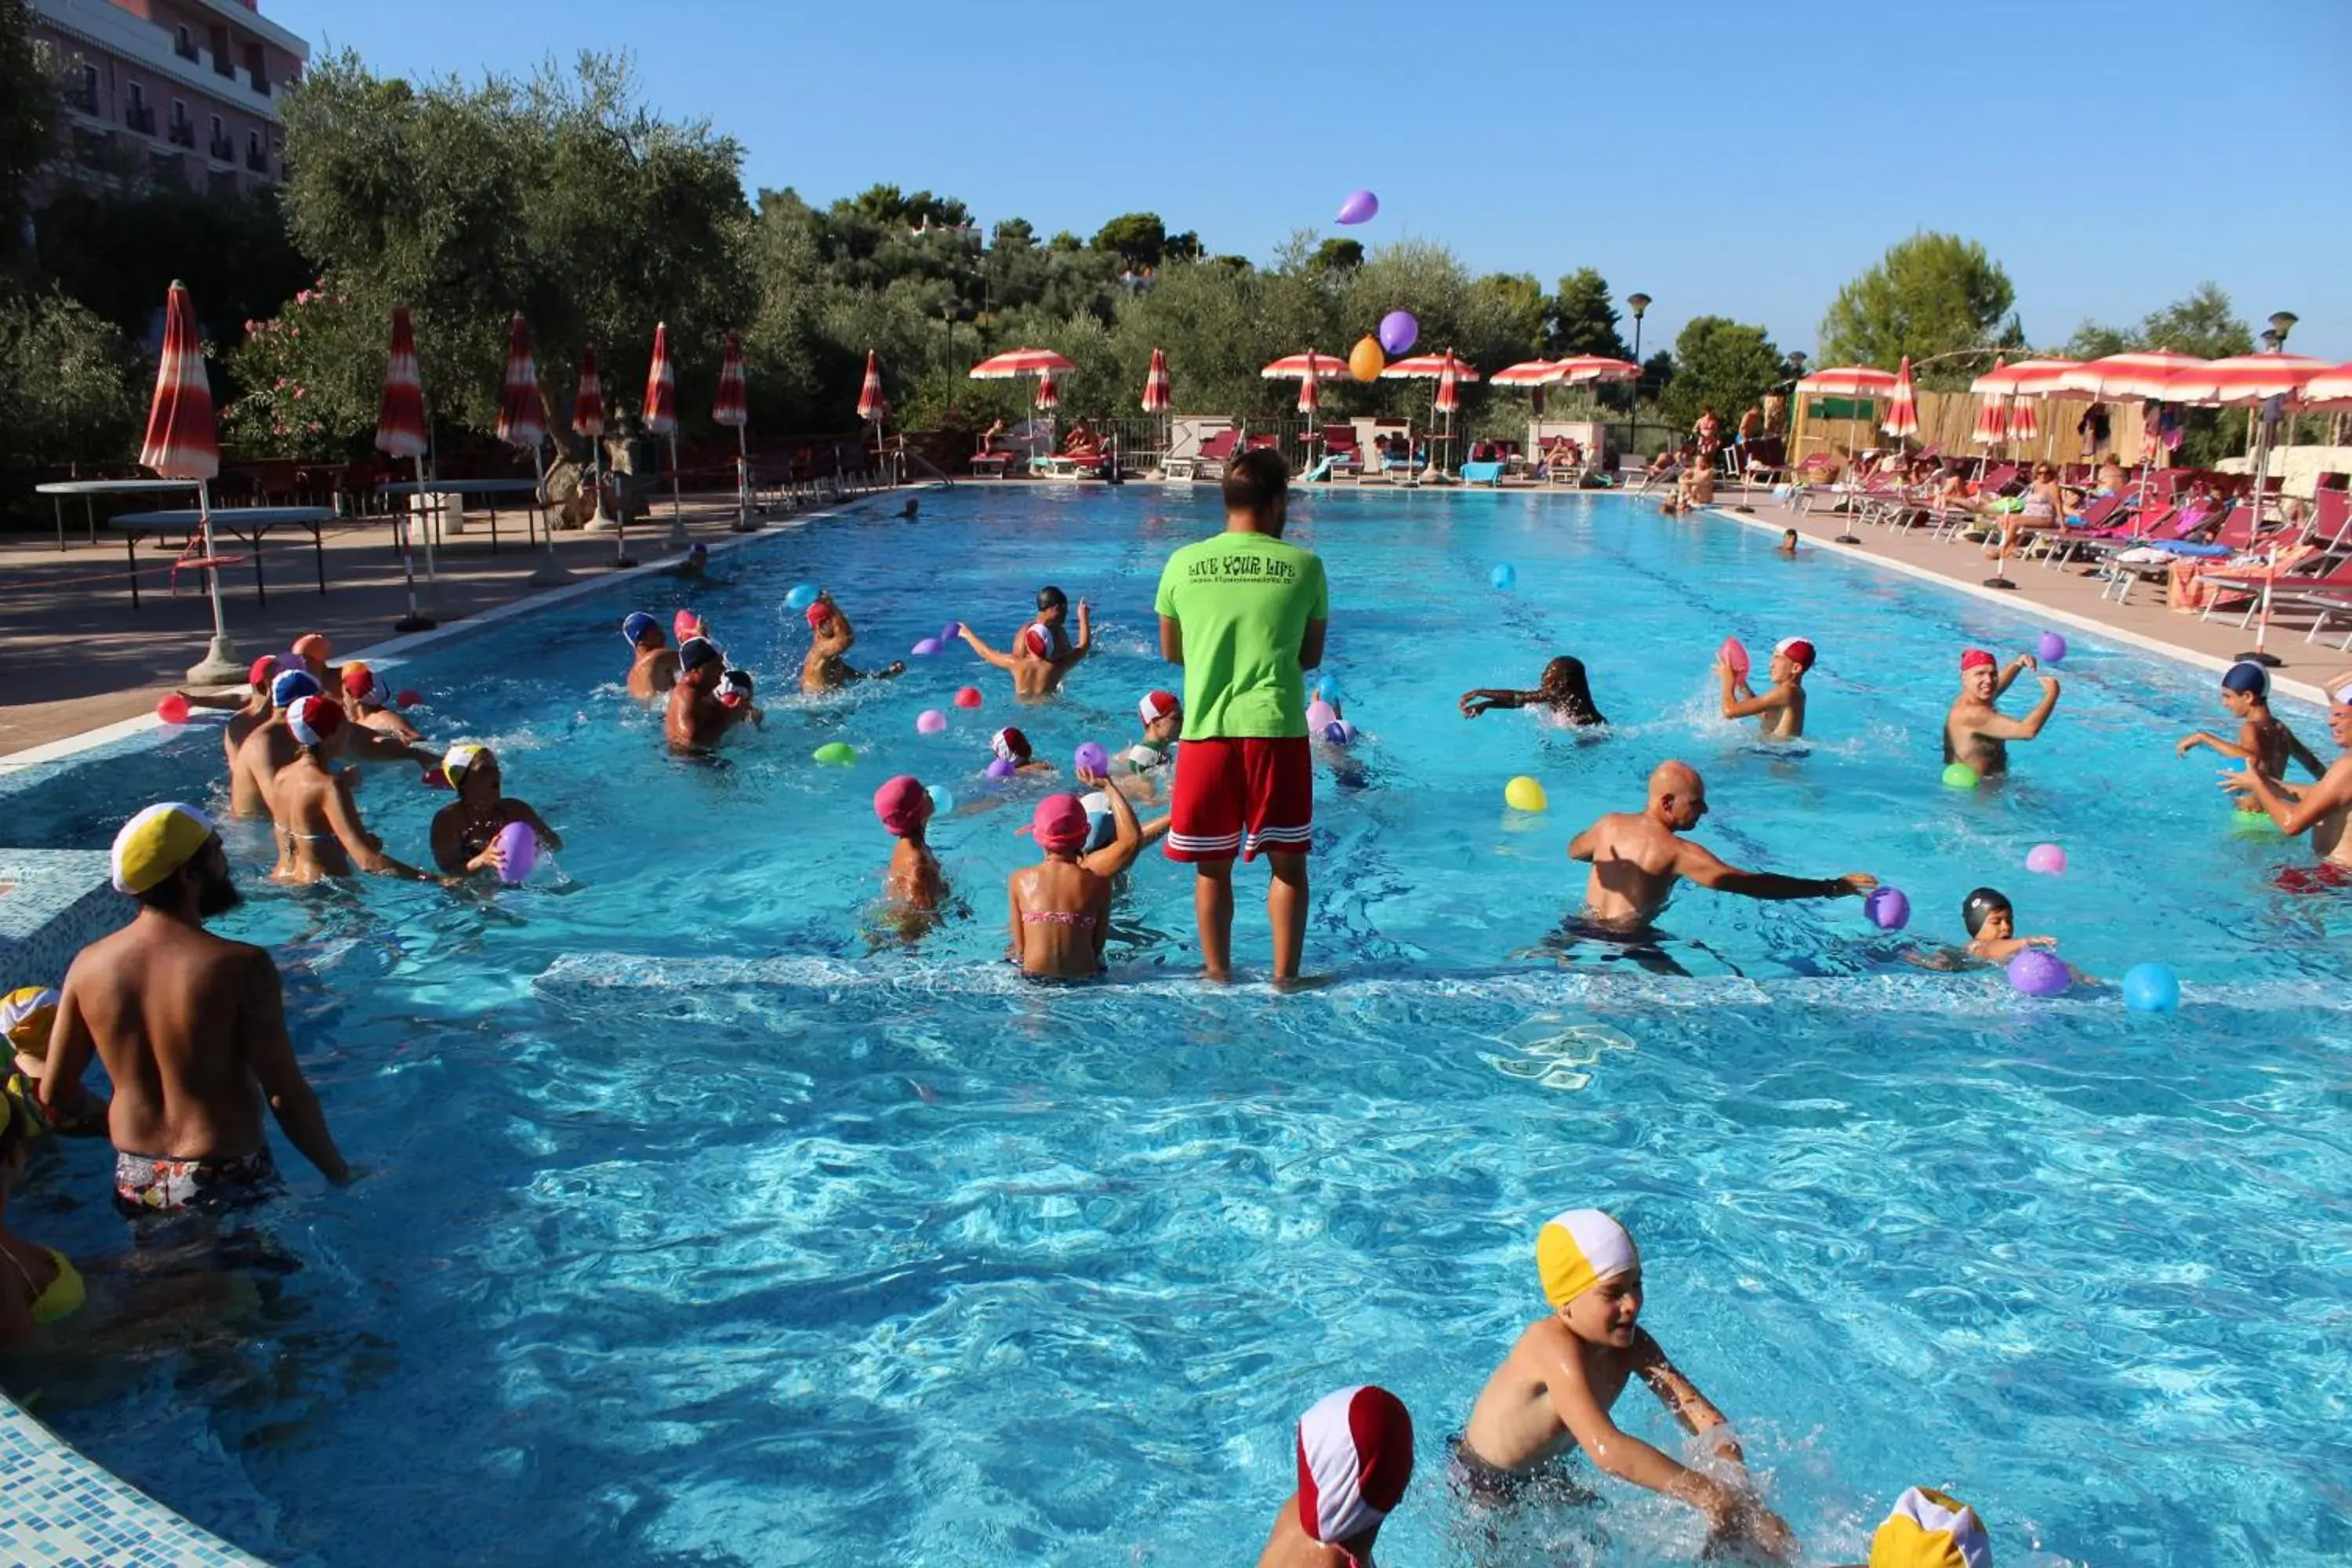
1779 708
696 720
1977 733
249 715
1042 651
319 834
833 636
1639 857
192 1030
2321 808
367 702
654 669
1554 1390
1355 1460
2264 739
266 747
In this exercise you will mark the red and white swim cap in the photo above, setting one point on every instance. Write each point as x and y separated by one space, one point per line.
1796 648
315 720
1354 1456
1156 705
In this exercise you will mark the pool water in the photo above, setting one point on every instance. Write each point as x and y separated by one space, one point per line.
705 1223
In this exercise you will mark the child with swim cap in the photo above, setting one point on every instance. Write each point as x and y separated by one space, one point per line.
1355 1461
653 669
27 1014
1061 907
367 700
1929 1530
1011 748
1147 765
1779 708
831 635
736 690
2264 739
1558 1384
914 881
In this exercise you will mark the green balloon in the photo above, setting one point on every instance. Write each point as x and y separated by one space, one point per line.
1959 775
836 752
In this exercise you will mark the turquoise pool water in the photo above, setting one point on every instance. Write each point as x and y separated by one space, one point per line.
702 1226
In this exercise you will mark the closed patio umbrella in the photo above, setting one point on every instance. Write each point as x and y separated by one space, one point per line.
184 443
522 422
400 433
732 407
588 420
661 420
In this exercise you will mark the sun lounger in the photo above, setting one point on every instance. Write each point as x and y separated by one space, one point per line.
1488 473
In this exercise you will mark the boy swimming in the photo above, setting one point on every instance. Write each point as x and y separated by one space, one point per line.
1779 708
1556 1386
2264 738
1562 689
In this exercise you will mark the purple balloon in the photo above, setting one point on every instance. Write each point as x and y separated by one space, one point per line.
1092 759
1339 733
2039 973
1359 207
1001 768
1399 332
952 631
518 851
2050 649
925 649
1887 909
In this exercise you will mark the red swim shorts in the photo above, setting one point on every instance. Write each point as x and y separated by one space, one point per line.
1237 798
2324 875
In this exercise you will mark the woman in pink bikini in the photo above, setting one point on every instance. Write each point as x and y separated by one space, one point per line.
1061 910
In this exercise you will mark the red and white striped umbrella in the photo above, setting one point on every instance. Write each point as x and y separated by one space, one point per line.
1449 387
2248 378
1903 406
1014 363
1156 398
731 406
2150 374
1849 381
1309 399
871 404
1579 370
1048 394
2024 423
1429 367
182 437
2026 378
400 417
1992 413
588 403
1291 367
2331 385
521 420
661 386
1528 372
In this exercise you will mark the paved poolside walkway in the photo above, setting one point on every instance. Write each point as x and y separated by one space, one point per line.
74 654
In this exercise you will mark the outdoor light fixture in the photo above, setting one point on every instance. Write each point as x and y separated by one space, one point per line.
1637 303
2282 322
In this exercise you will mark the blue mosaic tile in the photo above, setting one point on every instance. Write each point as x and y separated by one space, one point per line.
53 903
58 1507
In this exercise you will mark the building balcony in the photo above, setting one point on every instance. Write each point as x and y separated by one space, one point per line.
139 118
258 160
120 31
182 136
224 150
261 83
82 98
185 49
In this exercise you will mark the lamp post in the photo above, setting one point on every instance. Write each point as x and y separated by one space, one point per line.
2264 417
1639 304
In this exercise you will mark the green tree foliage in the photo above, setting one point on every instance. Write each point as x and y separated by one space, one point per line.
1338 255
1583 319
63 395
28 116
1138 240
118 251
564 197
1930 295
1721 365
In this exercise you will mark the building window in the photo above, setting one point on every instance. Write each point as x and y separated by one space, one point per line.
224 150
87 102
183 44
183 131
256 158
136 113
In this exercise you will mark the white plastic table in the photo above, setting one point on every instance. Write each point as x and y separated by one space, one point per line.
247 523
487 490
89 490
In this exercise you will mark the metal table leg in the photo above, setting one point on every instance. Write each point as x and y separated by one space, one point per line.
131 554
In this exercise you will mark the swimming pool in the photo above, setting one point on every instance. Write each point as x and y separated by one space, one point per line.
704 1227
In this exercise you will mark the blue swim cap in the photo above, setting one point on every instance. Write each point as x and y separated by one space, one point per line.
2248 676
290 687
634 629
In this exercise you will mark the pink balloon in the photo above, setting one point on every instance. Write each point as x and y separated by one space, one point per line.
930 722
1734 655
1359 207
2046 857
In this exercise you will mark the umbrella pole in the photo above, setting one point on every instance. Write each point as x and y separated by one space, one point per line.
742 481
431 577
1852 434
678 539
2260 654
218 667
416 620
621 557
550 573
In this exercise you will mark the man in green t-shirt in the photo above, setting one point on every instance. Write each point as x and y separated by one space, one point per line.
1245 614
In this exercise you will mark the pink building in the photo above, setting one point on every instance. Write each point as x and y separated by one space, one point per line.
171 89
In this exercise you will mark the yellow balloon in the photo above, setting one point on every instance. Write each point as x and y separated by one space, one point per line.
1523 794
1364 361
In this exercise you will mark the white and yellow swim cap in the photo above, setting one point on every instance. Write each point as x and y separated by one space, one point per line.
156 842
25 1016
1578 1249
1928 1530
460 757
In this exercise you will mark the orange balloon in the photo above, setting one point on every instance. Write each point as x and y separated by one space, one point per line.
1364 361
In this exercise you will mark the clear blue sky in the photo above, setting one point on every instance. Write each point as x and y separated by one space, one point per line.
1739 160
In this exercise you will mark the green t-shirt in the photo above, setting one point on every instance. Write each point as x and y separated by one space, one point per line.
1243 600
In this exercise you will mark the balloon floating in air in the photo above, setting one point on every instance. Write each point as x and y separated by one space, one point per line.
1359 207
1365 361
1399 332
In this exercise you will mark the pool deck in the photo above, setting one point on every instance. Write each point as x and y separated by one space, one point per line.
79 658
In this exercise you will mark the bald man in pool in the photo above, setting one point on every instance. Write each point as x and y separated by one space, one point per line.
1638 857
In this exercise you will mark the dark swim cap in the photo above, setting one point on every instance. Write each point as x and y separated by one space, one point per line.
2247 676
1978 907
1051 598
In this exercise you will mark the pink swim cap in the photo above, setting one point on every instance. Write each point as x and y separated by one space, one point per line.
1060 824
902 804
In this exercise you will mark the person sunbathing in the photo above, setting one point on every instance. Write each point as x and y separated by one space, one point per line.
1082 441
